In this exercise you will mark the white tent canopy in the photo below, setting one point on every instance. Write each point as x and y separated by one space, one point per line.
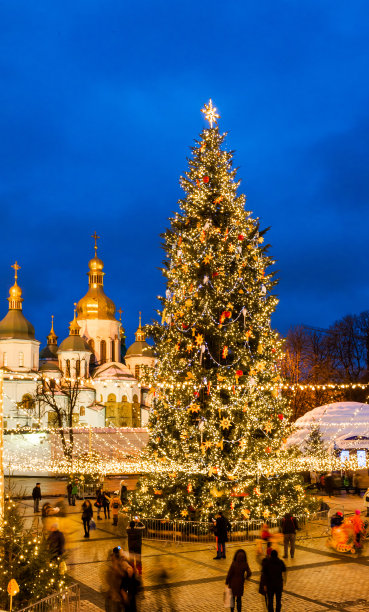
343 425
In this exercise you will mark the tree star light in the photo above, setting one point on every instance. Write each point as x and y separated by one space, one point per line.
210 113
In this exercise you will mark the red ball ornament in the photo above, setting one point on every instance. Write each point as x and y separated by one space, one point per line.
215 273
273 350
205 179
184 326
241 237
268 449
281 417
239 373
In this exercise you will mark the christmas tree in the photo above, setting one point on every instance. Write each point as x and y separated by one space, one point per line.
219 426
25 557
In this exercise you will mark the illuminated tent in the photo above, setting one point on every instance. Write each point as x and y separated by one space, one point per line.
343 426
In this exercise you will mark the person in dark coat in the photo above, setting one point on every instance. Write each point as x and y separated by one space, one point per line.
236 576
69 492
273 570
134 533
87 514
221 529
106 504
329 485
337 519
36 494
56 542
129 587
288 527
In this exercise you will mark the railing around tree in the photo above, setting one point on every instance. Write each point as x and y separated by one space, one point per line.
66 601
196 531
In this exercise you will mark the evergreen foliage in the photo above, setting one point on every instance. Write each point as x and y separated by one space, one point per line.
219 426
24 556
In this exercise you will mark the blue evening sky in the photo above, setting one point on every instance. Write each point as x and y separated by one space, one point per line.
100 101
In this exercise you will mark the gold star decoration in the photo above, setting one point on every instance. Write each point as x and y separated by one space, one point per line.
184 512
199 339
193 408
225 423
208 258
210 113
268 427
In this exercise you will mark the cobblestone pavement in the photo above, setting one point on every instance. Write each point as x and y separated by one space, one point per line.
318 578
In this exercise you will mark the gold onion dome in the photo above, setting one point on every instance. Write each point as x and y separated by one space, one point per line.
95 304
51 349
14 324
74 342
140 347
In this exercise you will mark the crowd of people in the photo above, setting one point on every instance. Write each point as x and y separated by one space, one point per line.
122 575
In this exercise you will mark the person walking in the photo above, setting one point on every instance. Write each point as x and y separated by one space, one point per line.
115 504
346 483
74 492
106 504
69 493
329 484
111 582
129 587
221 529
99 503
87 514
56 541
273 575
36 494
288 527
355 484
134 533
236 577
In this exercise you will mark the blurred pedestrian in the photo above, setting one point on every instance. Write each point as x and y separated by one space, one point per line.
36 494
134 533
289 526
56 541
106 504
99 503
355 484
69 493
366 501
47 516
337 519
329 484
87 514
111 582
221 528
322 482
236 577
129 587
346 483
273 574
74 492
115 504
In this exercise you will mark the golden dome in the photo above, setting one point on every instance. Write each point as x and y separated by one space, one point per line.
95 304
15 292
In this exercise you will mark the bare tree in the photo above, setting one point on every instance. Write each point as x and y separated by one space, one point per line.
60 398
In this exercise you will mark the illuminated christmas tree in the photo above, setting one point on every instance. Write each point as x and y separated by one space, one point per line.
25 557
219 426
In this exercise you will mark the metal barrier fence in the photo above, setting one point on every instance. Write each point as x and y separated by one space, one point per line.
67 601
195 531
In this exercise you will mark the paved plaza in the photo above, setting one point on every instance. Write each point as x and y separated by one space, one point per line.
318 578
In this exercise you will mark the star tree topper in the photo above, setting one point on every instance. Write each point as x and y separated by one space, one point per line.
210 113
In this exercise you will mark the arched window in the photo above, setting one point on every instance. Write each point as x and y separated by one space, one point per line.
21 359
27 402
82 411
67 368
78 367
112 350
137 372
112 397
5 359
102 351
91 344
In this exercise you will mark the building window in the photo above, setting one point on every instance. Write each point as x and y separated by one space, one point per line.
137 372
82 411
78 368
5 359
67 368
112 350
102 351
21 360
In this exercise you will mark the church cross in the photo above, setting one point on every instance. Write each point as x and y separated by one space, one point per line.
16 268
95 237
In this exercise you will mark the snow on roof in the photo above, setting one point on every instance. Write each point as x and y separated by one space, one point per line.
337 423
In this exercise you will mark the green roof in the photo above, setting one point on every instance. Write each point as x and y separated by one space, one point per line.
15 325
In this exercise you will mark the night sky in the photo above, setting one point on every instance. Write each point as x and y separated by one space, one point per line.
100 102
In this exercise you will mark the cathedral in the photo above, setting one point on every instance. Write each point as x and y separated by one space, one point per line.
111 394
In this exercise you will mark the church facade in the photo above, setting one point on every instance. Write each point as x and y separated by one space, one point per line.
110 393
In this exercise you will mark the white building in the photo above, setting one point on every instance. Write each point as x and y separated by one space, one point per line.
112 394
